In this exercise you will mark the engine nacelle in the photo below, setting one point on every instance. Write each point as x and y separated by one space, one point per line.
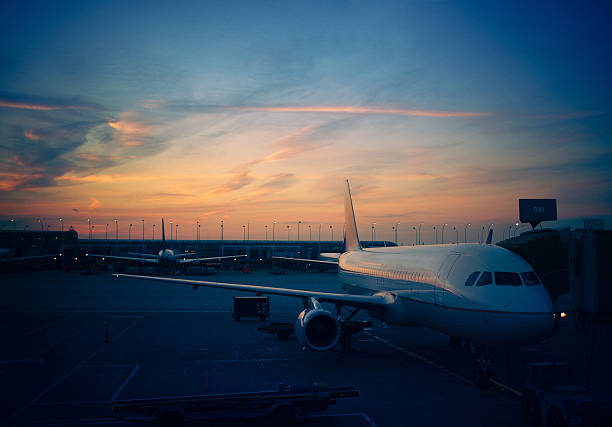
317 329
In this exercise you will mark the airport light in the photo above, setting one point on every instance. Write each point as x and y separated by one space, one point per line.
456 234
273 227
197 234
309 232
373 231
116 229
331 227
153 232
244 232
298 237
221 231
465 232
415 235
266 232
171 231
436 230
130 232
443 227
288 228
319 233
106 232
61 220
198 248
14 224
516 229
143 229
175 232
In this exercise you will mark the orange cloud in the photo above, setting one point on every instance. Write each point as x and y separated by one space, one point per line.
10 181
39 107
95 203
132 132
31 135
367 110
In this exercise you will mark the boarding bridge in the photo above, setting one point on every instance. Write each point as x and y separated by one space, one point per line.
574 266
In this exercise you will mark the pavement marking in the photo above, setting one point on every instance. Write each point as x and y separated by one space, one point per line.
125 365
124 384
505 387
38 329
76 421
420 358
73 402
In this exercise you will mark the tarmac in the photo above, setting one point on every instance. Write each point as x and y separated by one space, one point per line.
74 343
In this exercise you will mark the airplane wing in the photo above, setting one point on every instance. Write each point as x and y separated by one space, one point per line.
308 261
25 258
214 258
142 255
125 258
370 302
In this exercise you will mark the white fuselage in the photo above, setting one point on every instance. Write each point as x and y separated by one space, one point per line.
428 284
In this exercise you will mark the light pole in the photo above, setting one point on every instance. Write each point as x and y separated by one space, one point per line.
299 222
465 232
331 227
373 226
89 228
456 234
249 230
153 238
130 232
516 229
490 230
309 232
395 229
14 224
176 233
142 229
266 232
171 232
116 230
415 234
197 235
319 232
436 230
61 220
288 232
443 227
420 223
221 231
244 232
106 232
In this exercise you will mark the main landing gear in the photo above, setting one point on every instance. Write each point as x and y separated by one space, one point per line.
348 327
483 357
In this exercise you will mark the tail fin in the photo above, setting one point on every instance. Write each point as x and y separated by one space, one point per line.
490 237
163 235
351 237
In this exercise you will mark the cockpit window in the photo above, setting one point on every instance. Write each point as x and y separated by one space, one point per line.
485 279
470 280
530 278
506 278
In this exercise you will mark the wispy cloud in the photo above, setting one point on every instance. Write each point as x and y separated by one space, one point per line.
347 109
38 107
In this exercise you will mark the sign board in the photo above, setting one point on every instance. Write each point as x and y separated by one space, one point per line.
534 211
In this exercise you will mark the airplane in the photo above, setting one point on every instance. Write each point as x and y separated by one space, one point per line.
480 293
6 256
166 259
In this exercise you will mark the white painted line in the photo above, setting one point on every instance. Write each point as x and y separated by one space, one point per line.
505 387
48 389
124 383
83 421
420 358
130 365
202 349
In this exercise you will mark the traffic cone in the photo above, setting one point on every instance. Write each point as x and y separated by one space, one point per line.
106 340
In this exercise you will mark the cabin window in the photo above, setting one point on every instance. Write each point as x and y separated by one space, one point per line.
506 278
485 279
530 278
470 280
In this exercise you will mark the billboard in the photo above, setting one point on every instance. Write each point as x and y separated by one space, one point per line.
534 211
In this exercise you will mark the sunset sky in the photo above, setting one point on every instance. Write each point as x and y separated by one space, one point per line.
437 112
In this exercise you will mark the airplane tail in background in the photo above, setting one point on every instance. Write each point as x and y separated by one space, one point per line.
490 237
351 237
163 235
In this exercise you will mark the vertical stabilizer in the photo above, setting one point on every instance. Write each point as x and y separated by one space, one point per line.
351 237
163 236
490 237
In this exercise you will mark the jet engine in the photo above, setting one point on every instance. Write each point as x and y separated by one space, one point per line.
317 328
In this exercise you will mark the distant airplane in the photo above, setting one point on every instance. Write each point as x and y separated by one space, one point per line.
166 258
6 256
480 293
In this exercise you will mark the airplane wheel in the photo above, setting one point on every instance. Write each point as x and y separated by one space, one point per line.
555 418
